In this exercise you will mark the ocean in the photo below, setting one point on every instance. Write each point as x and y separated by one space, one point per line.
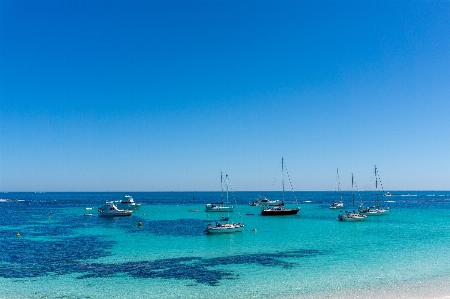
63 253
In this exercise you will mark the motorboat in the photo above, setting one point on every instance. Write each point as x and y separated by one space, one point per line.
337 205
218 207
263 201
110 210
219 228
127 203
351 217
278 211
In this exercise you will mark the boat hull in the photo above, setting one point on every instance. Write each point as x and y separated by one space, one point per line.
223 209
336 207
115 214
110 210
377 213
281 212
224 229
353 219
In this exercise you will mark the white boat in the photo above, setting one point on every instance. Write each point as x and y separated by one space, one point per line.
338 204
263 201
219 228
388 194
110 210
351 217
224 225
375 210
127 203
218 206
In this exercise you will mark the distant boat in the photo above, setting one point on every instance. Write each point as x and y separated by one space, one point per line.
375 210
127 203
351 216
110 210
218 206
263 201
338 204
387 194
279 210
224 225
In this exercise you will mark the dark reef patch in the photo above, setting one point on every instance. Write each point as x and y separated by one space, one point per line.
23 258
194 268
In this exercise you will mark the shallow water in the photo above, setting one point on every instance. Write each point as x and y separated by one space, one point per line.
62 253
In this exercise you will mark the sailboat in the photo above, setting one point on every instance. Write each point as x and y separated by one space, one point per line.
351 216
218 206
279 210
338 204
375 210
224 225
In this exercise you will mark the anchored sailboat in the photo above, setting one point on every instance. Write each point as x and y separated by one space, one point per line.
375 210
338 204
224 225
280 210
218 206
351 216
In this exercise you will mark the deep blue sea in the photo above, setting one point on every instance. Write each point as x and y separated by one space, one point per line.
61 253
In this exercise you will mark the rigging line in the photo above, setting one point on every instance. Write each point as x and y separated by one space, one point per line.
379 179
289 178
221 185
235 201
359 194
381 184
274 181
338 192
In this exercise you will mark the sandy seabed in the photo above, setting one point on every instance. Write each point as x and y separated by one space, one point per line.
433 289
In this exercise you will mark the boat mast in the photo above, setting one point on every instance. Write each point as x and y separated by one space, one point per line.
226 178
282 174
353 193
339 184
226 182
221 186
376 182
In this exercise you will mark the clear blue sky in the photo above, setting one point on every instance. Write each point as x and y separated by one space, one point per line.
163 95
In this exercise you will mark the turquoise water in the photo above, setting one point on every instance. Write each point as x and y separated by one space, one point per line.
62 253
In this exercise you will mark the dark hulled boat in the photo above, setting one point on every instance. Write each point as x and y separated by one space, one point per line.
278 211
